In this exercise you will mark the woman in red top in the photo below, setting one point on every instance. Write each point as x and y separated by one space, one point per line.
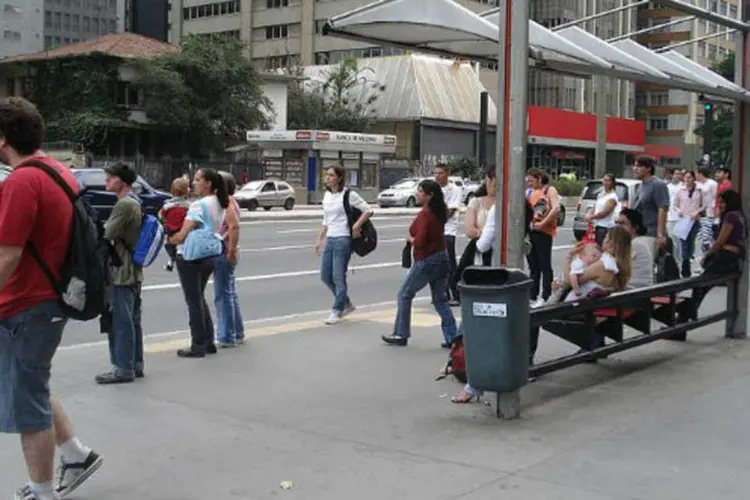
427 238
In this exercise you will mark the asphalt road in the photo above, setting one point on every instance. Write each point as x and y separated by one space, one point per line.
278 276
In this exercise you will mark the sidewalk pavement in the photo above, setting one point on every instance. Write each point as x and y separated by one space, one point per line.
340 416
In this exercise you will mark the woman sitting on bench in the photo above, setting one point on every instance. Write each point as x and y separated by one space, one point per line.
727 253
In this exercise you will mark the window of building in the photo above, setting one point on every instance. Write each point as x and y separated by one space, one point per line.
66 22
11 35
658 123
75 24
277 4
86 24
211 10
10 87
47 19
278 31
319 23
58 21
47 42
281 62
658 98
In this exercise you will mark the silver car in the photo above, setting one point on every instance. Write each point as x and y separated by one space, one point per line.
266 194
627 191
401 194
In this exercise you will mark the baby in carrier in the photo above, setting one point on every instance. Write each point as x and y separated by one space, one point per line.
588 255
173 214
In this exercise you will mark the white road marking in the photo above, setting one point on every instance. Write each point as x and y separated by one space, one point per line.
250 323
304 247
316 229
294 274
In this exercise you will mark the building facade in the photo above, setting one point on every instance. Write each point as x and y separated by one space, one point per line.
672 116
21 27
148 18
71 21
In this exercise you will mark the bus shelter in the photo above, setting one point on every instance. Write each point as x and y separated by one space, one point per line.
301 157
506 36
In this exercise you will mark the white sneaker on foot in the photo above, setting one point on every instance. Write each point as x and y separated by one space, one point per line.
26 493
333 319
71 476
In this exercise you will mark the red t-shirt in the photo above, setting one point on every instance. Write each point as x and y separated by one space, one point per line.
724 186
33 208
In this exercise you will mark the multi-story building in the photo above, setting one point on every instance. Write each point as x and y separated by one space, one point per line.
148 18
672 116
21 27
73 21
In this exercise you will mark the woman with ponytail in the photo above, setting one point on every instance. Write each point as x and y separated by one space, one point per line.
427 238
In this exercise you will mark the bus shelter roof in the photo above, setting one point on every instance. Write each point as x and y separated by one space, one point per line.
450 29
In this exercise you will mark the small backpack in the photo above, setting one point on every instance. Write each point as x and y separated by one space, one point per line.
368 240
151 239
456 361
85 274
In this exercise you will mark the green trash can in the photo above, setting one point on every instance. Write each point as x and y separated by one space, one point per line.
495 326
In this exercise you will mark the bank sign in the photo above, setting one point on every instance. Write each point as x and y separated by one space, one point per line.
321 136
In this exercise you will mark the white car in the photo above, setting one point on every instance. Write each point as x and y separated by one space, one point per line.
404 192
266 194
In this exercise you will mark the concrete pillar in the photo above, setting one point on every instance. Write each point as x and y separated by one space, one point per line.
307 35
246 26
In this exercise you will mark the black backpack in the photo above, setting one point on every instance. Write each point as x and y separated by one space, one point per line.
368 240
85 274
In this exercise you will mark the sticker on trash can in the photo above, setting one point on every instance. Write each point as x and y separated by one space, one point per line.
490 310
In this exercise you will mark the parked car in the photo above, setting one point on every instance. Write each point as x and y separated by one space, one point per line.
266 194
627 191
401 194
91 181
468 188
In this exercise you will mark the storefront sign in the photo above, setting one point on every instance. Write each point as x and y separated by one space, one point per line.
322 136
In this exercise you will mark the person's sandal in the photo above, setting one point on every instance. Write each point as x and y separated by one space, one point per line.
463 398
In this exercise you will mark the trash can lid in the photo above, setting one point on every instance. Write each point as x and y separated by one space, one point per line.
493 277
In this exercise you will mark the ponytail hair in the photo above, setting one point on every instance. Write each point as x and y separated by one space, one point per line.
436 205
218 186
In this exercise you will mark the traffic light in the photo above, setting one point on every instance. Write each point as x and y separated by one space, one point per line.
708 106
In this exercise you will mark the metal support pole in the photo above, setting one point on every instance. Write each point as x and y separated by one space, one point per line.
600 159
693 40
740 300
482 139
511 156
702 13
599 14
652 28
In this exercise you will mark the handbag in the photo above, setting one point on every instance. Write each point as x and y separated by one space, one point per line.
406 256
203 242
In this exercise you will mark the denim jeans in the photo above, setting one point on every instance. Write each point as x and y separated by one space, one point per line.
333 267
28 342
194 277
126 339
229 318
687 248
433 270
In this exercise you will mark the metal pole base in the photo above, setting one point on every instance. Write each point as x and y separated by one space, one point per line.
508 405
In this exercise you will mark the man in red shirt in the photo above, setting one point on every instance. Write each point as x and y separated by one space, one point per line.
34 210
723 177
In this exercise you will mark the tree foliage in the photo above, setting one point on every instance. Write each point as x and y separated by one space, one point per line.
466 167
76 95
343 99
722 136
209 92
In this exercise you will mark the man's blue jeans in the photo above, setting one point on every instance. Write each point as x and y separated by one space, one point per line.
333 267
433 270
126 339
230 326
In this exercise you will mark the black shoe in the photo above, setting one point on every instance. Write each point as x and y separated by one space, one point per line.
139 374
211 349
446 345
189 353
395 340
112 378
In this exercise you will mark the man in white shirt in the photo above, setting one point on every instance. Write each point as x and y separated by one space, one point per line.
452 195
674 187
709 187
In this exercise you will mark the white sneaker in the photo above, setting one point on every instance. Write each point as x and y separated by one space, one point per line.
536 303
333 319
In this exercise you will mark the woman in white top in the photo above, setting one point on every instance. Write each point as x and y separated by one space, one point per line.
338 233
194 275
603 216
